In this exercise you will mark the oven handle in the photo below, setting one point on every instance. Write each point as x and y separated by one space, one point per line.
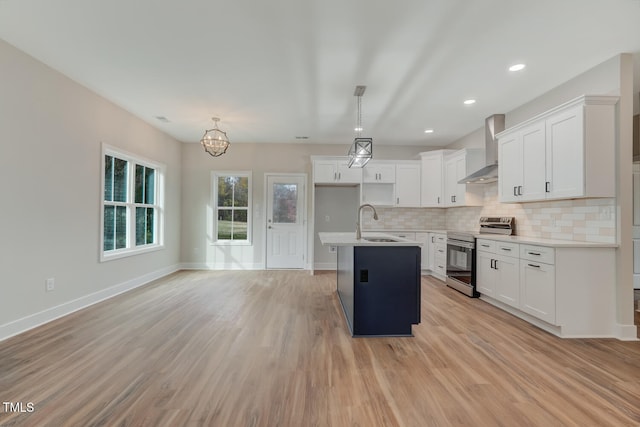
461 244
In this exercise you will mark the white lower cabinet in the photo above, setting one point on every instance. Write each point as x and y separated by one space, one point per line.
438 256
498 271
538 282
566 290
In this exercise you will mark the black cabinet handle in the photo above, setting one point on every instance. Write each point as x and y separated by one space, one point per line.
495 264
506 249
534 253
438 199
547 187
432 237
485 246
519 190
534 266
491 264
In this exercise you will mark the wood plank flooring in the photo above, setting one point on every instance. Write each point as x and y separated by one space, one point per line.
271 348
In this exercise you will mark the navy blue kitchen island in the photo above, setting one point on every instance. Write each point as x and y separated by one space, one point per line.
378 283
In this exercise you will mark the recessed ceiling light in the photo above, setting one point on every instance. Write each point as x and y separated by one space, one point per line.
470 101
517 67
428 131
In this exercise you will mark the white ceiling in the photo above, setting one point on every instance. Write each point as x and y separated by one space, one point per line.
274 70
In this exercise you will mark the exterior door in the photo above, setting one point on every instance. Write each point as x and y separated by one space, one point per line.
286 224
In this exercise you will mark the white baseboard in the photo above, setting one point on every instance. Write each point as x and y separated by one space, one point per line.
29 322
220 266
325 266
626 332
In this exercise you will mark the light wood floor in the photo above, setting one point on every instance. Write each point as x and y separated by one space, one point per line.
271 348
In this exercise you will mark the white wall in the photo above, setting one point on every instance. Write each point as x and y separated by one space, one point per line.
51 130
197 251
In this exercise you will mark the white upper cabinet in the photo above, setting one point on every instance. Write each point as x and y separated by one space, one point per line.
408 184
329 171
522 176
432 181
457 166
568 152
379 172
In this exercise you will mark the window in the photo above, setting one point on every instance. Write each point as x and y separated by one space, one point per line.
232 207
131 205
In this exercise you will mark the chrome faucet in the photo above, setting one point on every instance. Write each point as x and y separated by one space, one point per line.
375 216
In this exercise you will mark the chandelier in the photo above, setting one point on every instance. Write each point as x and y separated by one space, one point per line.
361 151
215 141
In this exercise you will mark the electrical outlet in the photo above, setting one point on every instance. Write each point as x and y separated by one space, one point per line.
50 284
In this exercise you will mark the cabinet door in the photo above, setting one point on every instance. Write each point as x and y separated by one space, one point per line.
450 182
533 163
507 279
379 173
348 175
538 290
565 154
325 171
509 167
432 183
431 243
485 273
408 185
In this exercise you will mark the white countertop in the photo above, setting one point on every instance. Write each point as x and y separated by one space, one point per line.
349 239
553 243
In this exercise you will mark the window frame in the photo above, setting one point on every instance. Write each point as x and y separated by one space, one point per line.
214 208
131 248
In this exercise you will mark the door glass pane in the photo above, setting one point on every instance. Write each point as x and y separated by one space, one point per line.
240 224
285 201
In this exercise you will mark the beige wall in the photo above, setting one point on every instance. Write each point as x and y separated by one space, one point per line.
51 130
197 250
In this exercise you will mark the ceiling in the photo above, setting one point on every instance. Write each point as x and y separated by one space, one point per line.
281 69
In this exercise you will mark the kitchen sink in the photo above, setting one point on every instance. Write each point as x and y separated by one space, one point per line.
380 239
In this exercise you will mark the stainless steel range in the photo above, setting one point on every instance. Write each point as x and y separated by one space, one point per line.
461 257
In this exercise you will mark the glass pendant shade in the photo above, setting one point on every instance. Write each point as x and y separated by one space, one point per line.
360 152
214 141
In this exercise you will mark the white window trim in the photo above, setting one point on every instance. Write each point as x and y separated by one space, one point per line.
132 249
214 209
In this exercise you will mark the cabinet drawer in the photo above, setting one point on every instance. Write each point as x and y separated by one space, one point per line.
440 264
508 249
538 253
440 250
409 236
485 245
440 238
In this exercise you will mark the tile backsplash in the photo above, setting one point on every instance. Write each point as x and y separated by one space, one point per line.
405 219
586 220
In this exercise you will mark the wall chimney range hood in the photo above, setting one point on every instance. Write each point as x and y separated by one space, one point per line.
492 125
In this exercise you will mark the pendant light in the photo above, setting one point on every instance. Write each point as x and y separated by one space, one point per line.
215 141
361 151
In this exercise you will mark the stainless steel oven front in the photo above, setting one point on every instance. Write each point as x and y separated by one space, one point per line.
461 269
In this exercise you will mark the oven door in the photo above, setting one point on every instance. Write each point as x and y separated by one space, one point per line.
460 266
